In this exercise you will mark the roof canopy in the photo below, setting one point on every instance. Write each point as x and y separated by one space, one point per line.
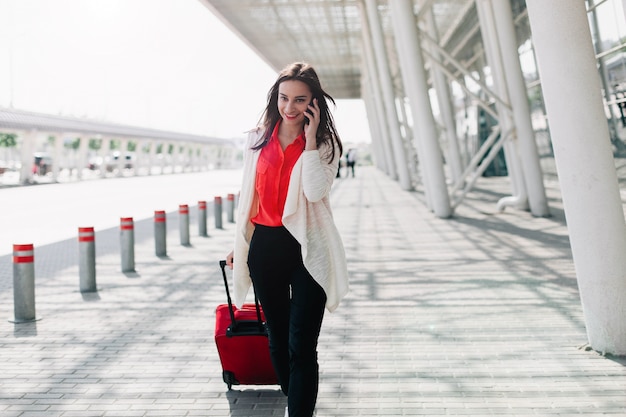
327 33
27 120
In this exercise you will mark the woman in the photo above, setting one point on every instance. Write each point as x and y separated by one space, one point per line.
287 244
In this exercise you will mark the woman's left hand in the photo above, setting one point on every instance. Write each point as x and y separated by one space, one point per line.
310 129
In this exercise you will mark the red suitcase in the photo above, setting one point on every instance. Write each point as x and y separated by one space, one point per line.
242 344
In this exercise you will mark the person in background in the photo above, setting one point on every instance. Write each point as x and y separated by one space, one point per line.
350 161
286 244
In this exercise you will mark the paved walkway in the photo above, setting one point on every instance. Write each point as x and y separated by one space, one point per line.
478 315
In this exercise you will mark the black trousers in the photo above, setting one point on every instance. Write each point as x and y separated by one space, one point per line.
351 168
294 305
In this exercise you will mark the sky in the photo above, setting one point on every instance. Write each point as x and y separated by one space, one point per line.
164 64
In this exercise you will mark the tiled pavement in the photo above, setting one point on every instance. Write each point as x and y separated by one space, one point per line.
477 315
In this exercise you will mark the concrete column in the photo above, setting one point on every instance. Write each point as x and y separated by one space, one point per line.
190 149
165 156
121 159
526 145
409 137
206 158
139 162
203 159
388 96
585 165
409 132
218 154
198 156
378 126
211 156
181 155
178 155
152 158
96 154
193 157
376 95
83 149
378 149
186 153
137 156
225 156
442 89
105 151
186 156
27 148
57 156
494 59
416 84
174 157
604 76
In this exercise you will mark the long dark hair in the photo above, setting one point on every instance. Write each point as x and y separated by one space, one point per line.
326 132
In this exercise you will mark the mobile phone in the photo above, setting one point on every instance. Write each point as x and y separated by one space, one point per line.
306 119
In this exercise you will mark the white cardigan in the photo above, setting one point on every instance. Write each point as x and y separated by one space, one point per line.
307 216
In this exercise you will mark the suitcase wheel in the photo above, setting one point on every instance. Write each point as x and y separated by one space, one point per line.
229 379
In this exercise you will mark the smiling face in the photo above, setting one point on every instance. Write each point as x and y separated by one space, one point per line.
293 100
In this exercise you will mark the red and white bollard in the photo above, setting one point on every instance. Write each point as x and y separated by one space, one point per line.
217 212
160 233
230 208
183 224
202 229
87 259
127 244
24 283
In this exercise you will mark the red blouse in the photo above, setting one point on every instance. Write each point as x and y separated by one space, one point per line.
273 171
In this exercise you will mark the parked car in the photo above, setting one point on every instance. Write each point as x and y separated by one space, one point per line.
94 163
112 162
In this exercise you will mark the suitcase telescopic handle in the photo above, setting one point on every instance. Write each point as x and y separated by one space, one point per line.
230 301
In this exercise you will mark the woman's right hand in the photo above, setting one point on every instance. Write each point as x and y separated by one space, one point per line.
229 259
